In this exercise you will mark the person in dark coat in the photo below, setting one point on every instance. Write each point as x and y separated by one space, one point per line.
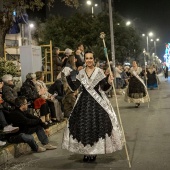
57 62
9 94
29 124
29 90
3 122
166 72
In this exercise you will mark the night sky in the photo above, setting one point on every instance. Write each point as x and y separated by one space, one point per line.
148 15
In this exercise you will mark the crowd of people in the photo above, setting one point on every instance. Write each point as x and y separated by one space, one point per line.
79 94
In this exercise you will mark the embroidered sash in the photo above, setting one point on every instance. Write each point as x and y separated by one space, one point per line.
89 86
137 76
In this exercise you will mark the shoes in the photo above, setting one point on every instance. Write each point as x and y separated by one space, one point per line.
2 143
55 121
86 158
93 158
10 129
89 158
137 105
49 123
41 149
49 147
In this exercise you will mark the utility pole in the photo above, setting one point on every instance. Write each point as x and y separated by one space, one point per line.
112 33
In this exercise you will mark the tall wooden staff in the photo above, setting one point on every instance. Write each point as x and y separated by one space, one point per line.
102 36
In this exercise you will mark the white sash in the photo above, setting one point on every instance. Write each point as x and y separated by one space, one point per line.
89 86
137 76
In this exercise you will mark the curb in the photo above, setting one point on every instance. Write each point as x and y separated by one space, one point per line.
12 151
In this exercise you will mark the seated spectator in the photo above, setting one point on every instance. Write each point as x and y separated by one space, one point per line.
29 90
54 105
8 93
6 128
29 124
3 123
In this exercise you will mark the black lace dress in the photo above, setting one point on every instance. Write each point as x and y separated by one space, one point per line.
136 91
91 129
89 121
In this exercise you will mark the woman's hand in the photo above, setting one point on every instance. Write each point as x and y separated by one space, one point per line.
110 79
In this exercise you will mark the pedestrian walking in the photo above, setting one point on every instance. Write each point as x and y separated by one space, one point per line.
166 72
136 91
92 127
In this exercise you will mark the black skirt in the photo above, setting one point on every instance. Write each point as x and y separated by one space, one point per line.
89 121
136 88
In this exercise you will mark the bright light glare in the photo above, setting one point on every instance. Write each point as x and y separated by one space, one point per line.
151 39
89 2
31 25
128 23
150 34
157 39
95 4
143 35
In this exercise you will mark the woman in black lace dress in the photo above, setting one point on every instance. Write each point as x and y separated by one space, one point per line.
92 127
136 91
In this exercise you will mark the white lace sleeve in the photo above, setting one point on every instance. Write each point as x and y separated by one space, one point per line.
66 71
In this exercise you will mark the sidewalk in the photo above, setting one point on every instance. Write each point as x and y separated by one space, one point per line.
10 151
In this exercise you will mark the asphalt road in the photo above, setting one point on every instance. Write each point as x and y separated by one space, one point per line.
147 132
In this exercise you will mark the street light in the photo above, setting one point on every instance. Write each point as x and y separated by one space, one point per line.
154 41
150 34
128 23
92 6
30 27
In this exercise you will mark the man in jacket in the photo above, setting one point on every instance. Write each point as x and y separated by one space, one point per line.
29 124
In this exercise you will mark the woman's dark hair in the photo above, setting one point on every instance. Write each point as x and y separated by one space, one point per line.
19 101
89 51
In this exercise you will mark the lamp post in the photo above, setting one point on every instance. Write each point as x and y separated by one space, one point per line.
154 41
92 6
147 40
30 27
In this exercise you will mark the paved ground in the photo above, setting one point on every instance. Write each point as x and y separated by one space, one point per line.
147 133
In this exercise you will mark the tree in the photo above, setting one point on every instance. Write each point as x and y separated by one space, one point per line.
67 33
6 13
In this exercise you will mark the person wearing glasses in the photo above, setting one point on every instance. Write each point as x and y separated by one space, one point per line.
29 124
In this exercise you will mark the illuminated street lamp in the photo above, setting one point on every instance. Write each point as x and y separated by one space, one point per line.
147 39
128 23
30 27
92 6
154 41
